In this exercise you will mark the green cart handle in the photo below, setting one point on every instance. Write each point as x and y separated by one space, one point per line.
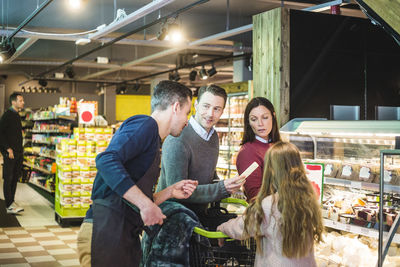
235 201
209 234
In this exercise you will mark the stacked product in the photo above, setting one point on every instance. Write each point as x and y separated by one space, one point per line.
76 169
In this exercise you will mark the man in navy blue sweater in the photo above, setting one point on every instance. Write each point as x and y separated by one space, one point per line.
128 171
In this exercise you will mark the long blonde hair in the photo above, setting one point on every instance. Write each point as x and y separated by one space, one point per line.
301 220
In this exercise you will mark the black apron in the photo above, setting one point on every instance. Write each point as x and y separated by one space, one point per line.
116 226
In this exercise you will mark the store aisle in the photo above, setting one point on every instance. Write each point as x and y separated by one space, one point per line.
44 246
38 210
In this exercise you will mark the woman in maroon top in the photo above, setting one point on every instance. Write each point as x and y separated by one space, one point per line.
260 131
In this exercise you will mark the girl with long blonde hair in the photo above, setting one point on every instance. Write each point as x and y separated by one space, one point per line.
285 218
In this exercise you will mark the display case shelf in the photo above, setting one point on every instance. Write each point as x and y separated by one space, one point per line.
232 116
227 129
227 148
361 185
357 229
40 154
70 118
52 131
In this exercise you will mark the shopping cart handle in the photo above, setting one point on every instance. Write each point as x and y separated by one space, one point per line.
209 234
235 201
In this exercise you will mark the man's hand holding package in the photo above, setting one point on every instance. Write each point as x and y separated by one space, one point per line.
233 184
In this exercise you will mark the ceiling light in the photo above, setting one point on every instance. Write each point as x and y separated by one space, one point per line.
102 60
75 4
174 33
7 50
203 74
192 75
70 72
162 33
82 41
211 72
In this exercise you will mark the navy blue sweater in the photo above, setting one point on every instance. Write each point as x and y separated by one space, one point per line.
130 154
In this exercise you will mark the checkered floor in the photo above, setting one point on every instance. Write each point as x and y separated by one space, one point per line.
42 246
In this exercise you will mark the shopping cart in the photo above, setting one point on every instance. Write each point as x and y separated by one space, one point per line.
204 250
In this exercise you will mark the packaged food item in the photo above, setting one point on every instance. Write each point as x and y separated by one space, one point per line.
101 146
72 145
65 158
65 187
75 171
366 174
73 158
65 174
64 145
85 172
91 159
93 172
64 201
82 135
81 159
86 200
90 147
99 134
87 187
107 134
89 134
76 202
81 146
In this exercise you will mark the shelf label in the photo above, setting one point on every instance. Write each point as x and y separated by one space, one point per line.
364 231
347 228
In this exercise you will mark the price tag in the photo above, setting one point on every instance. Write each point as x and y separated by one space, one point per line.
346 171
364 231
365 172
328 169
387 177
348 228
355 184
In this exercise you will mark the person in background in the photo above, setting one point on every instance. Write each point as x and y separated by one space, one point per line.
128 171
194 154
285 217
260 131
12 150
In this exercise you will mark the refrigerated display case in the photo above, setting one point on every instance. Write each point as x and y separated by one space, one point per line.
350 152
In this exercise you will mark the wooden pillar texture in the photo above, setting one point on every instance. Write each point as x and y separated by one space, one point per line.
271 59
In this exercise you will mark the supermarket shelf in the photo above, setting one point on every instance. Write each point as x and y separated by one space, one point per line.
41 186
227 148
37 168
232 116
70 118
40 154
51 131
226 129
357 229
43 143
361 185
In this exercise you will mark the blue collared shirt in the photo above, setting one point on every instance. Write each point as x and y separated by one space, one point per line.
262 140
200 130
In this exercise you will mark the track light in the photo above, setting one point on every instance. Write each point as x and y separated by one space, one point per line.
121 89
7 50
192 75
170 32
203 74
162 33
174 76
211 72
42 82
70 72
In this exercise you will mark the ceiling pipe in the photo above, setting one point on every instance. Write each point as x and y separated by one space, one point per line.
28 19
173 14
171 51
140 13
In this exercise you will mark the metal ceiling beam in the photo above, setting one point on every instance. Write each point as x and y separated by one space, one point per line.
326 5
140 13
171 51
25 45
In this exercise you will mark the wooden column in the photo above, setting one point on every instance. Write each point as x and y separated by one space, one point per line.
271 59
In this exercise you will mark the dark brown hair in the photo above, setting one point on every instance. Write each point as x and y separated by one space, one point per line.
249 135
213 89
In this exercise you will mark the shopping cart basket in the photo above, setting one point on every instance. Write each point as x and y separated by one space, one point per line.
204 250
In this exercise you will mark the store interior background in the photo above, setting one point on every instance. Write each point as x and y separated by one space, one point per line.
327 66
334 60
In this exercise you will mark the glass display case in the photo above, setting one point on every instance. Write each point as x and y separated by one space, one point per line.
350 152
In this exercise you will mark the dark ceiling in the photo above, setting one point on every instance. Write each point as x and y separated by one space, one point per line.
48 43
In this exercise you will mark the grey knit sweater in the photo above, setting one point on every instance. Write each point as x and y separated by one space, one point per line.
191 157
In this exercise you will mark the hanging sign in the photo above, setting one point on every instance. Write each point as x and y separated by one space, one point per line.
87 111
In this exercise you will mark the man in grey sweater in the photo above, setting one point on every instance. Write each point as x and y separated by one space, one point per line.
194 154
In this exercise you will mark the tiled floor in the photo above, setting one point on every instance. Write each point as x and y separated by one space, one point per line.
42 246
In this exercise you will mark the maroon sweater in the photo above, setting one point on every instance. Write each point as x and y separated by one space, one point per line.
250 152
